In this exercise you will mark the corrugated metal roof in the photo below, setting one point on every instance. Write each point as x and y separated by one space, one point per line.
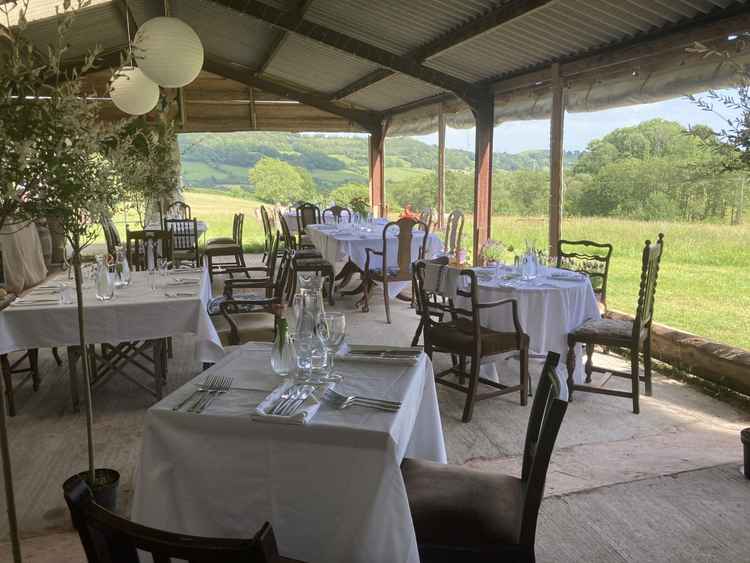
316 66
396 25
393 91
562 29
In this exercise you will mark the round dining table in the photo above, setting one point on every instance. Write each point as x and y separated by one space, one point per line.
550 306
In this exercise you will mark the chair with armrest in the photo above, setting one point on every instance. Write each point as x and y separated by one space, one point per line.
109 538
472 516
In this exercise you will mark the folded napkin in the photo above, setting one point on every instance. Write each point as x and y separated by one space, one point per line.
303 414
393 355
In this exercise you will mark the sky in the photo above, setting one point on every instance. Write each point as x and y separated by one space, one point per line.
580 128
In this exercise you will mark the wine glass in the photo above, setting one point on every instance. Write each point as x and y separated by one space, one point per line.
332 330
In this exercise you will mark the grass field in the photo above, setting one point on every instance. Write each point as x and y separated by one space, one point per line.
704 284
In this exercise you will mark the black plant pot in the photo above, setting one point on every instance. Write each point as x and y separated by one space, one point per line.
104 488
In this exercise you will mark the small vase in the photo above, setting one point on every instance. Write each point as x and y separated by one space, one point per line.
283 356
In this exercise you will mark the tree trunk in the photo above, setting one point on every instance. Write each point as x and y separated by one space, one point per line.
84 359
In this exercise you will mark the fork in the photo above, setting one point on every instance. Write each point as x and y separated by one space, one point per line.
207 384
289 395
340 405
210 392
296 403
224 386
340 397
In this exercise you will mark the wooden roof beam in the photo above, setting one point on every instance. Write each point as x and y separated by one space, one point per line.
344 43
278 43
369 121
453 38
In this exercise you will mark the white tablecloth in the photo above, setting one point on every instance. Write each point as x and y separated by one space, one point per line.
135 313
336 244
548 309
332 489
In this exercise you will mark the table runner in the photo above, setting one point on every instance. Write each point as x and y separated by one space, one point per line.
136 313
332 489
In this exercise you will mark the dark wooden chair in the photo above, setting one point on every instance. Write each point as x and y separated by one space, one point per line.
227 249
461 334
454 229
137 244
394 268
109 538
291 243
338 212
178 210
184 240
471 516
13 365
420 306
111 236
307 214
634 335
426 216
256 277
268 232
590 258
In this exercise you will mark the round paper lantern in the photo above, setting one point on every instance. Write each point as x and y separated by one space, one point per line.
168 51
133 92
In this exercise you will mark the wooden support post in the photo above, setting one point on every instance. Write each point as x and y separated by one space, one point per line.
377 170
441 170
557 120
484 116
253 117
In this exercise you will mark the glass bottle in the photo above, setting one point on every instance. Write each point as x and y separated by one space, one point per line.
283 356
105 287
122 268
312 355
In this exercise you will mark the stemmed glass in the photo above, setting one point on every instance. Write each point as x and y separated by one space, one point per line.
332 330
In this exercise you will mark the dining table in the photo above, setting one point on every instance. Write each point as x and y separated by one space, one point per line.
550 306
331 488
348 242
152 307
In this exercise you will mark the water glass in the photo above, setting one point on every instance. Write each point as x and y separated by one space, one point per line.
67 296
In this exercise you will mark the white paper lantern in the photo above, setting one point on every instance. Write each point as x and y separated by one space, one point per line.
133 92
168 51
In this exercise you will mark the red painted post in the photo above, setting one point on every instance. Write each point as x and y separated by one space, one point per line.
377 170
484 114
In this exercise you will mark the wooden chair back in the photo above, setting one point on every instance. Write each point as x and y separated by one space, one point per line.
590 258
425 216
545 419
111 236
454 229
403 259
286 234
109 538
337 212
649 273
238 224
307 214
138 243
178 210
267 229
419 297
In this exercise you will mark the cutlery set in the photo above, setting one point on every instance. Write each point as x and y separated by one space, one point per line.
214 386
340 401
291 400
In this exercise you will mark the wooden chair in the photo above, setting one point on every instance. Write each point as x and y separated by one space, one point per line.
224 248
392 270
267 231
454 229
425 216
109 538
590 258
634 335
137 244
257 277
420 306
184 240
461 334
307 214
291 244
178 210
468 515
337 212
251 318
11 367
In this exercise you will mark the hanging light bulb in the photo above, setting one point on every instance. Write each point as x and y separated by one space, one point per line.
168 51
132 91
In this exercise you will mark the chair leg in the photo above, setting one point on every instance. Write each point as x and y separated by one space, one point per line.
634 375
471 396
387 301
56 355
589 361
418 333
462 369
366 295
525 388
571 364
5 367
647 364
34 366
210 268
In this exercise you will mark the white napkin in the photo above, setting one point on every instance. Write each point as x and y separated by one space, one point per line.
303 414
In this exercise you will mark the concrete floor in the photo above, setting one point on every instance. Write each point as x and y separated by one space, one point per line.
619 487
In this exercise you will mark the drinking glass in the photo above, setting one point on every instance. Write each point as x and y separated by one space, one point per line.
332 330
